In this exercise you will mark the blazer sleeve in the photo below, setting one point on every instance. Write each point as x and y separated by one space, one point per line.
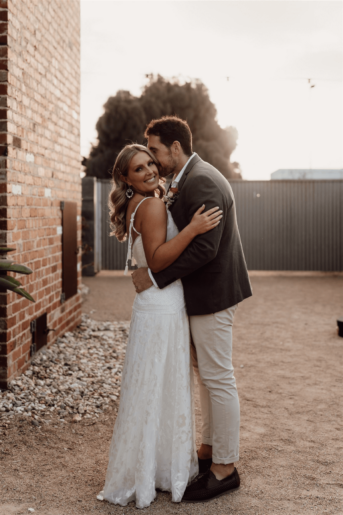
204 247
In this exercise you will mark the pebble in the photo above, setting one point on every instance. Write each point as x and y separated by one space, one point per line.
76 378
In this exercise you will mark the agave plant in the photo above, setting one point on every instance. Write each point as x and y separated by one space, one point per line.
6 281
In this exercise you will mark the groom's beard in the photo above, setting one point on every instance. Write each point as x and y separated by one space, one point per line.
164 172
168 169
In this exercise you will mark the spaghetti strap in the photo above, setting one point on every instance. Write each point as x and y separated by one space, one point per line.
129 250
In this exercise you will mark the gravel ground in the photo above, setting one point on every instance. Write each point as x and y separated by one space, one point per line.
288 360
76 378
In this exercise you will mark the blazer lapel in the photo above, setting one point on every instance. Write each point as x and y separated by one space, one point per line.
190 166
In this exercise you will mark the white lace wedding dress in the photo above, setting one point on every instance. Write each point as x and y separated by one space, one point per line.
153 443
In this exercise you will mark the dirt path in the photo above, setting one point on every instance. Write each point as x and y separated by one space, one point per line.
288 361
111 296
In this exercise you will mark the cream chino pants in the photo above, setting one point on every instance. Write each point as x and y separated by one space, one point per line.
212 363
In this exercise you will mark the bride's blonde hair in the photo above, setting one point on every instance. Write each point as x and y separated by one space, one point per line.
118 200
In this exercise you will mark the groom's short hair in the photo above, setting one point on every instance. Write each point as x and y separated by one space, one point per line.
170 129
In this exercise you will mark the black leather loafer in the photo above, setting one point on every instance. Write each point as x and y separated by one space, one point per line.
204 465
206 487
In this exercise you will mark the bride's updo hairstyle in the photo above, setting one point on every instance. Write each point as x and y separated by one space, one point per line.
118 200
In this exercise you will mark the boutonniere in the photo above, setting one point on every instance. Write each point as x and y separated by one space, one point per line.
171 196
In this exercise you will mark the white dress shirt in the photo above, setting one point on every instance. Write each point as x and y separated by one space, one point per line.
174 184
177 179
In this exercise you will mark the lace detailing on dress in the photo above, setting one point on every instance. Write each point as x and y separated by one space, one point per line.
153 443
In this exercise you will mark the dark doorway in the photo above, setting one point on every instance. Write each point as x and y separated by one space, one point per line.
69 249
39 330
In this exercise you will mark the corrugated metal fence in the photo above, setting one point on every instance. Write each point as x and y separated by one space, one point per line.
112 253
284 225
291 225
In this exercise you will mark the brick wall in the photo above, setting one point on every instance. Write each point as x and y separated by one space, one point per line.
39 163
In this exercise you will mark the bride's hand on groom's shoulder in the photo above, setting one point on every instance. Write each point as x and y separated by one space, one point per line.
141 280
204 222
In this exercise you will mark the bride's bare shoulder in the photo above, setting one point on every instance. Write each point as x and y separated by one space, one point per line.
152 211
153 205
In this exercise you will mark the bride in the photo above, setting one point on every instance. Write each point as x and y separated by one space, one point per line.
153 443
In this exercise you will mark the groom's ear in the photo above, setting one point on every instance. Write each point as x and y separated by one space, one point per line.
176 148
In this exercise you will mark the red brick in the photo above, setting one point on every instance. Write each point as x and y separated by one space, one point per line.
15 355
21 362
10 322
7 348
4 361
25 348
4 13
43 152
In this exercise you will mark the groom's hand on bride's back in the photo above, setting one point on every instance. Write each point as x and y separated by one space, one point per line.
141 280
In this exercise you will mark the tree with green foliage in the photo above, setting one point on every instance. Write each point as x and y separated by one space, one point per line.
126 116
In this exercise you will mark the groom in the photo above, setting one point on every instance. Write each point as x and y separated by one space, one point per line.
215 280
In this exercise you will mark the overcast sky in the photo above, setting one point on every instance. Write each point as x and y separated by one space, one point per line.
267 49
